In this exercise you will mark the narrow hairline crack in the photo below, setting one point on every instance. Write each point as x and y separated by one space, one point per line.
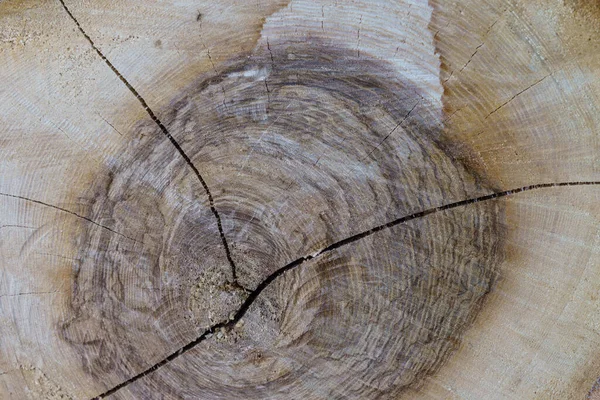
351 239
175 144
14 196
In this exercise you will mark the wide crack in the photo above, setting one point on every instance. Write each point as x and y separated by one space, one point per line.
175 144
298 262
253 295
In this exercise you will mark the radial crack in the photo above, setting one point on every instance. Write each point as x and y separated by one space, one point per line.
394 129
351 239
517 95
165 131
14 196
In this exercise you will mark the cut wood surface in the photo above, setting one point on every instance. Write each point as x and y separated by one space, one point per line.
303 199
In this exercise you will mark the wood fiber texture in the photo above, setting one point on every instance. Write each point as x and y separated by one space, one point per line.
303 200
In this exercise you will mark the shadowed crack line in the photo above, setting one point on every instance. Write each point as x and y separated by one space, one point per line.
166 132
14 196
394 129
29 294
517 95
268 280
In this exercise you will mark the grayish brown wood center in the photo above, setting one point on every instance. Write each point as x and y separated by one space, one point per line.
301 147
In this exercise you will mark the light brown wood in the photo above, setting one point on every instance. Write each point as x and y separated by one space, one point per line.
304 199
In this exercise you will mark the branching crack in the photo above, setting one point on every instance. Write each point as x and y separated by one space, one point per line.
169 136
354 238
14 196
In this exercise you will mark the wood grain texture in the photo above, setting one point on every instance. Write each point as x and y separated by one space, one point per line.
304 199
282 189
